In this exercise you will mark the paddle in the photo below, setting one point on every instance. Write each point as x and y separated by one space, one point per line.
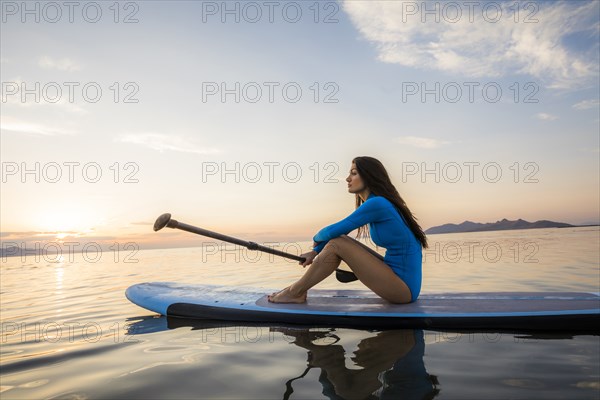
166 220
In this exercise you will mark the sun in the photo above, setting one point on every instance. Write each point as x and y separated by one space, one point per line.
67 218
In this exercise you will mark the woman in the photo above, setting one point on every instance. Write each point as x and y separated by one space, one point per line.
396 278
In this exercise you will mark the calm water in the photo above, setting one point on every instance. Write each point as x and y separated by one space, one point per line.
69 332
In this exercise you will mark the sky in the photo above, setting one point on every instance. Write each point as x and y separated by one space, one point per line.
243 117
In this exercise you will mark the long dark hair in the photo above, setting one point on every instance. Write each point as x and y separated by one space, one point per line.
375 177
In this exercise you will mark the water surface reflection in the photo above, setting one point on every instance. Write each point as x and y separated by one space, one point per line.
385 365
390 365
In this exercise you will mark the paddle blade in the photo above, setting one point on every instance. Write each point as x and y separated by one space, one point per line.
345 276
162 221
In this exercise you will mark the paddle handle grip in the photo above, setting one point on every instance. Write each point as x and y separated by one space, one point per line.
219 236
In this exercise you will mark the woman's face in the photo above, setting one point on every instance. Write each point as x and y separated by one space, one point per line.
355 183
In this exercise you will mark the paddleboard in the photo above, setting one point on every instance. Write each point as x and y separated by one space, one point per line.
362 308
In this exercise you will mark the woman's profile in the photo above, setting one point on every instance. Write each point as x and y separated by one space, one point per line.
397 276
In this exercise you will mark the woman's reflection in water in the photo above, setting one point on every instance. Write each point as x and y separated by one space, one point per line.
391 365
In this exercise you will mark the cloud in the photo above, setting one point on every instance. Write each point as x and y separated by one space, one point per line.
64 64
473 46
546 117
22 94
420 142
61 104
162 142
587 104
10 124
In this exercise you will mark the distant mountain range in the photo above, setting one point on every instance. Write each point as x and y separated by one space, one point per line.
505 224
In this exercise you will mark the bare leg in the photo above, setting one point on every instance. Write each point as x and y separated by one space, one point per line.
368 267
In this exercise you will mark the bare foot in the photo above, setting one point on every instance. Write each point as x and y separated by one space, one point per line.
284 296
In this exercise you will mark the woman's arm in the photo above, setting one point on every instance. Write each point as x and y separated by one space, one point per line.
372 210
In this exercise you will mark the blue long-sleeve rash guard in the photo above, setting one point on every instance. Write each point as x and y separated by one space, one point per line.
388 230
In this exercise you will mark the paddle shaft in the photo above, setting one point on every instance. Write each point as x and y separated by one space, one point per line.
166 220
249 245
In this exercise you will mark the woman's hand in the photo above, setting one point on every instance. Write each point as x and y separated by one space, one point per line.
309 258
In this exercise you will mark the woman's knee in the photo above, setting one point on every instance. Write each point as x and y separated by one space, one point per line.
339 241
336 245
